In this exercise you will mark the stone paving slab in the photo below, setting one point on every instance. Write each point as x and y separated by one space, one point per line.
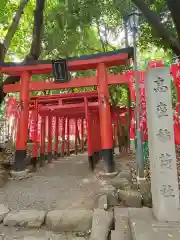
117 235
119 214
144 226
121 217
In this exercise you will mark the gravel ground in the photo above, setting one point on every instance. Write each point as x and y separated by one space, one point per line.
66 183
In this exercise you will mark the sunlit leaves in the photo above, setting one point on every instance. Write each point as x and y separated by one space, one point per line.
149 34
118 95
22 39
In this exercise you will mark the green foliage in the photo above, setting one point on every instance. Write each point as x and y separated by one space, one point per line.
118 95
22 39
148 34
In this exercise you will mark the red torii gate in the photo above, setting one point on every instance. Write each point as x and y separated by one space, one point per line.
66 105
62 105
98 62
77 111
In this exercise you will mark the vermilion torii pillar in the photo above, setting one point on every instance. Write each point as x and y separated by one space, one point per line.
76 136
22 133
105 119
90 157
35 142
56 137
82 134
63 136
42 140
49 156
68 139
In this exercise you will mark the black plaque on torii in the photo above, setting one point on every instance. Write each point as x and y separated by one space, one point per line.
60 70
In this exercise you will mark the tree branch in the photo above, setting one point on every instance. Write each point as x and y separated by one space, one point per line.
2 52
35 49
12 29
155 22
99 33
174 8
14 25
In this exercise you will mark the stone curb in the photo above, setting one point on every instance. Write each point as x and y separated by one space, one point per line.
67 220
74 220
98 222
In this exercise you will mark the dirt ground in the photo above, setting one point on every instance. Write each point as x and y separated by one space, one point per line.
66 183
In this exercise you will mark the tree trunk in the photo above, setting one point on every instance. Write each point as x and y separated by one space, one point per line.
12 29
174 8
35 49
14 25
158 26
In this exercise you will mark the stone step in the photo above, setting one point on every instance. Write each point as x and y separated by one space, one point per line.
116 235
120 216
122 227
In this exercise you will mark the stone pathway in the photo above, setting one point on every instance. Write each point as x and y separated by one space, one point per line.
66 183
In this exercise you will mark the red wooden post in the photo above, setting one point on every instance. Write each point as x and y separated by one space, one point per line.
114 137
49 138
68 139
35 143
22 133
56 137
63 137
88 127
76 137
105 119
82 134
42 140
118 131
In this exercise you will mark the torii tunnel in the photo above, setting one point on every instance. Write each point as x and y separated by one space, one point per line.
92 107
